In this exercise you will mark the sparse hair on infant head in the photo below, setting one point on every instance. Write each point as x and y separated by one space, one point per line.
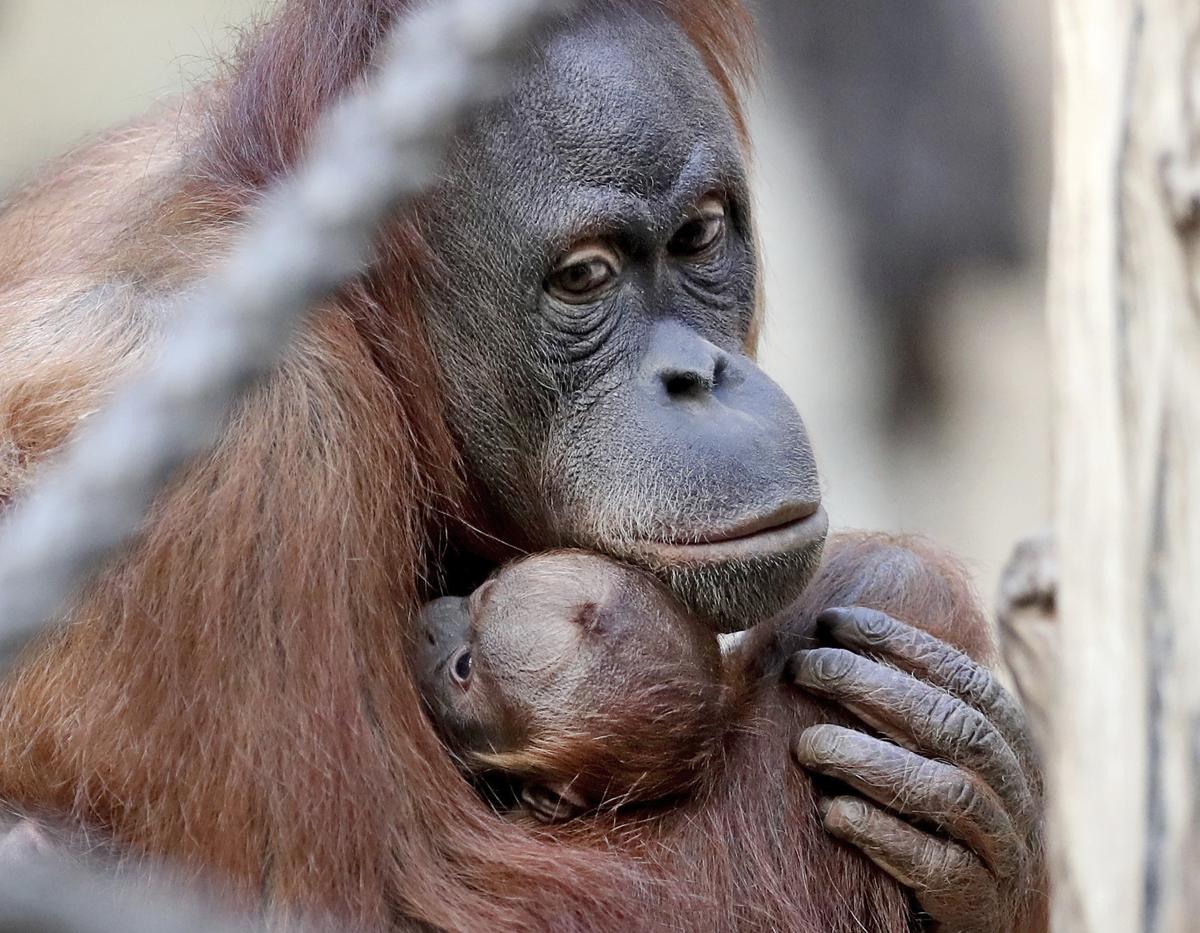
578 678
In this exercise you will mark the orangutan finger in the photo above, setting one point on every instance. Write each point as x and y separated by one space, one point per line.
921 717
949 882
946 798
932 660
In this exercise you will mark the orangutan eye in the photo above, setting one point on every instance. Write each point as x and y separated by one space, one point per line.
703 231
460 670
585 274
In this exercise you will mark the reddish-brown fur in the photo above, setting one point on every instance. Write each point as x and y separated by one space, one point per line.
891 574
635 709
235 695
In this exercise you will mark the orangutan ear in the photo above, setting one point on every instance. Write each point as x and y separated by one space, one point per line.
553 803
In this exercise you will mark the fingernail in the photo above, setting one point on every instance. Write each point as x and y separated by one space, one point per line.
815 745
827 664
854 810
874 625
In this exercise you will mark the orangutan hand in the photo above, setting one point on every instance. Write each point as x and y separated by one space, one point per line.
953 809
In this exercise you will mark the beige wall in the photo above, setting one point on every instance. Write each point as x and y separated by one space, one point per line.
72 67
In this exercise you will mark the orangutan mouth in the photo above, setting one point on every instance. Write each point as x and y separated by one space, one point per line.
792 527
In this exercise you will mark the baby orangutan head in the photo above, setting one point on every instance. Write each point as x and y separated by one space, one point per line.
577 677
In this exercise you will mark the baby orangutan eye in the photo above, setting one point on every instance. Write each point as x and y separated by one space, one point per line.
585 274
702 232
460 668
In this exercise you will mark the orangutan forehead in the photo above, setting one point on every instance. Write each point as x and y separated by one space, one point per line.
611 75
724 33
561 584
616 103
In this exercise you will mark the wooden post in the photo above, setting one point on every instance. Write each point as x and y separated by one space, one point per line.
1124 768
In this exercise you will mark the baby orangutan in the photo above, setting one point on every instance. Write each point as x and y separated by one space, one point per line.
579 680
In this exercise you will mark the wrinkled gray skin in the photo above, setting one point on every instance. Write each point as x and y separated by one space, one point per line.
637 417
636 421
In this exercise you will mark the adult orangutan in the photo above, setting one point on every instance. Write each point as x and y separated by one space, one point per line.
554 349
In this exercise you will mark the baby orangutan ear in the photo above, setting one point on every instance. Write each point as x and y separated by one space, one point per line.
554 803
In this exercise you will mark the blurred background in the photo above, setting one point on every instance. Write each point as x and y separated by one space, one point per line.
902 167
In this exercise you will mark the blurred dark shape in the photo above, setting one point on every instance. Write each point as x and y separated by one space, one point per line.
909 109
